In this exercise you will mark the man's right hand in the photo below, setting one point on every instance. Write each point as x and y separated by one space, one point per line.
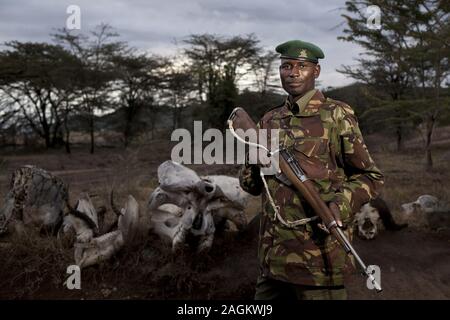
258 156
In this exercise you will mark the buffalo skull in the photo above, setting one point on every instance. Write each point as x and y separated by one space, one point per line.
185 206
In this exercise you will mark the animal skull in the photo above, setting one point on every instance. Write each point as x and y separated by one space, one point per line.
424 203
197 205
427 211
368 222
103 247
36 198
80 224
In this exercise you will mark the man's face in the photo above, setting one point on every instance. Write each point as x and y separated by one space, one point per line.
298 77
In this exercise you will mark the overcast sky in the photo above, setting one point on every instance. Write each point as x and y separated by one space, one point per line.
157 25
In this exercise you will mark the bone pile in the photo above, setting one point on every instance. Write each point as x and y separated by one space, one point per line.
185 209
39 200
185 206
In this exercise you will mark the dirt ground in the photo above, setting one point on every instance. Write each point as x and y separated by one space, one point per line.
415 263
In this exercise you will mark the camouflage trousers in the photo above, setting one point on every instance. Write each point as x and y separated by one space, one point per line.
271 289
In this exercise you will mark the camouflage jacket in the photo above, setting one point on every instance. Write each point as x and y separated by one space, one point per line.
324 136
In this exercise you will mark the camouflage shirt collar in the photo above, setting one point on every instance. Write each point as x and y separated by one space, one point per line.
307 105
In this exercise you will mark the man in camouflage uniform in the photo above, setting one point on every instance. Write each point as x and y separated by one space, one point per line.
306 262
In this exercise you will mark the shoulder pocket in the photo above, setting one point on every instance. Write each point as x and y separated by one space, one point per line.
312 154
311 146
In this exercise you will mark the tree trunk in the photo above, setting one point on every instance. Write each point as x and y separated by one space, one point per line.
15 137
47 139
126 132
126 136
67 139
429 134
56 135
46 134
153 121
175 117
153 128
130 113
67 143
400 142
91 131
431 119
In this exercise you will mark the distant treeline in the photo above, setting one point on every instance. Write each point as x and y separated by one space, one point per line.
52 89
94 82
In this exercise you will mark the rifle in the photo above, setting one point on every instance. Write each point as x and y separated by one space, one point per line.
291 168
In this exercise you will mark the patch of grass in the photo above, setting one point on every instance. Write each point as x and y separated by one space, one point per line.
32 263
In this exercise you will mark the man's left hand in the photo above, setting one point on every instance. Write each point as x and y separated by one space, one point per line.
336 213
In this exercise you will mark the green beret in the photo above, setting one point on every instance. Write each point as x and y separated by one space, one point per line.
300 50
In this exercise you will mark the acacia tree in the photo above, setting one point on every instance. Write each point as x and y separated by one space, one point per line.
384 65
430 27
96 72
178 89
265 72
34 84
217 64
409 52
138 78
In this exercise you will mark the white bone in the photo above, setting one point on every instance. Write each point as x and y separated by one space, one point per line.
104 247
85 206
80 227
176 177
200 202
160 197
427 211
75 229
231 190
368 222
128 221
98 249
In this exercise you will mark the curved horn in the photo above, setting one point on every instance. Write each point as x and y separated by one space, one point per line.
83 216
